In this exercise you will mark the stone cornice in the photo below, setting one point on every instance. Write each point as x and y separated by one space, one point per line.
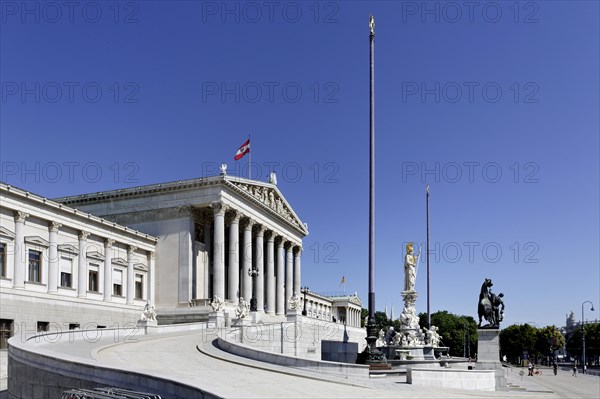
68 248
37 241
71 212
6 233
266 195
119 261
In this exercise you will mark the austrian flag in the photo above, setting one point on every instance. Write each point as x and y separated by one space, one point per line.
243 150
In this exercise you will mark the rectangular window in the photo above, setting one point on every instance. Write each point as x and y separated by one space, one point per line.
7 329
66 266
93 278
118 282
139 286
3 260
35 266
73 326
43 326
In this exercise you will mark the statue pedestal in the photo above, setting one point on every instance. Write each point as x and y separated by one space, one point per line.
294 315
149 326
216 319
488 356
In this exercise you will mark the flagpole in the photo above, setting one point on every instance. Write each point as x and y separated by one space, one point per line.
427 217
249 160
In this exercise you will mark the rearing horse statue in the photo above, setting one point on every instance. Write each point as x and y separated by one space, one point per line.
485 309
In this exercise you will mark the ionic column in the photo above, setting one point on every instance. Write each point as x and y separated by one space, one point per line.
297 269
233 283
19 260
219 249
82 265
130 274
247 261
208 247
289 273
53 258
108 283
151 277
260 265
270 272
279 287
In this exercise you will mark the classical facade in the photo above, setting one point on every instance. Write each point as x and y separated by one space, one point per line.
211 232
338 308
61 268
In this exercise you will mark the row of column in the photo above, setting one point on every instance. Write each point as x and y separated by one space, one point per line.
353 316
20 265
279 271
316 309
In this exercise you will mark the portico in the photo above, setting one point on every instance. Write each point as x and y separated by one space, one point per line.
211 231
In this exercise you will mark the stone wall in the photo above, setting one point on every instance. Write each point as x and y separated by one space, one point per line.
33 375
301 339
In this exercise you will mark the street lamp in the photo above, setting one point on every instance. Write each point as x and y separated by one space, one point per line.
253 272
304 290
583 332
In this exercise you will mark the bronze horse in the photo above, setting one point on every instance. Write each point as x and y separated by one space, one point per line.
485 309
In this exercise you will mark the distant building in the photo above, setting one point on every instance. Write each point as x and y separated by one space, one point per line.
571 325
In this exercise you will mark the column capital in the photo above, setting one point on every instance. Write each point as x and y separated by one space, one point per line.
108 242
131 249
219 208
20 216
248 223
270 235
281 241
297 249
260 230
83 235
53 226
151 255
234 216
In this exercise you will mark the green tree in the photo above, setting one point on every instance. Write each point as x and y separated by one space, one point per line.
548 339
592 343
456 331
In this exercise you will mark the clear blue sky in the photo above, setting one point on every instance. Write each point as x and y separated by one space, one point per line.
495 105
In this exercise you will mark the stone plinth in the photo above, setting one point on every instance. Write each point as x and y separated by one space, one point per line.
216 319
408 352
488 356
149 326
481 380
294 316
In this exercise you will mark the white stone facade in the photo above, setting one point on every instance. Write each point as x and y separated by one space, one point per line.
211 232
61 268
340 308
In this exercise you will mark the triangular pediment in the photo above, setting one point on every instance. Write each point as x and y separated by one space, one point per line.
119 261
6 233
68 248
140 267
269 196
37 241
95 255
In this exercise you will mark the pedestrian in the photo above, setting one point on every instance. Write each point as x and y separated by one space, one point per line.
530 368
574 370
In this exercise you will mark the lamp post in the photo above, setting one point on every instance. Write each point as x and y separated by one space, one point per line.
464 338
253 272
304 290
583 333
